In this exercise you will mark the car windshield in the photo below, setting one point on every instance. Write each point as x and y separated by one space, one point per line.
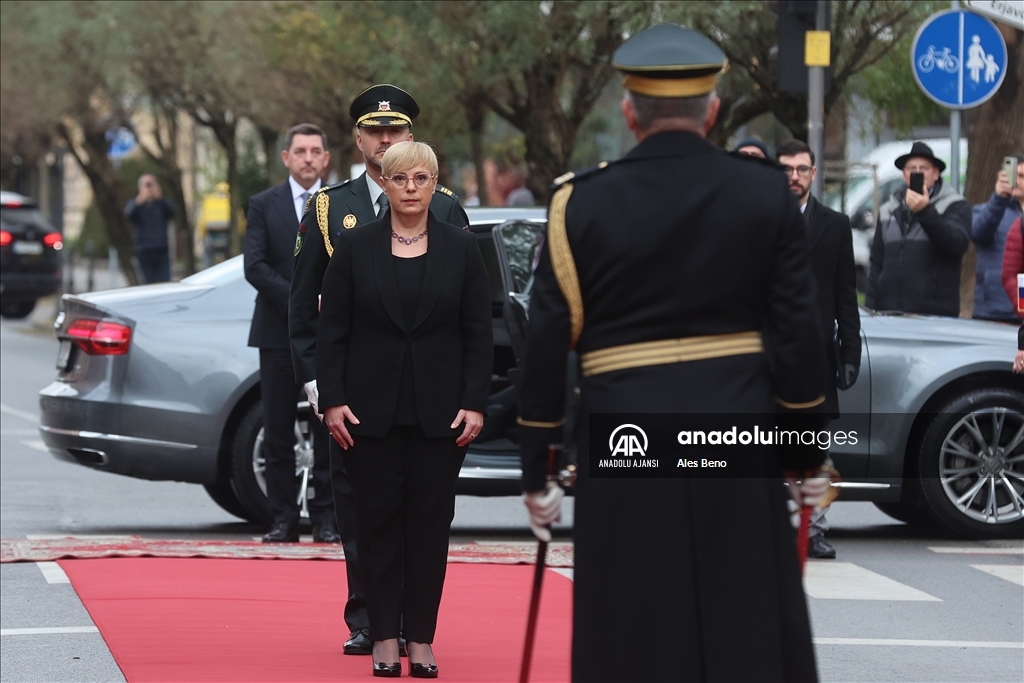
21 218
834 198
220 274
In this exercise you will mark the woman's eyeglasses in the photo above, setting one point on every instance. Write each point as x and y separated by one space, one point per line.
400 180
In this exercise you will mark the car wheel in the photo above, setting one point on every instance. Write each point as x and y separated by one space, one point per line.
224 496
972 464
248 466
17 309
907 513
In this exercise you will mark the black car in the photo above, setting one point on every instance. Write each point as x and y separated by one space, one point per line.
30 265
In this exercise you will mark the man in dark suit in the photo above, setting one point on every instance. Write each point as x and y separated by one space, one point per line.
269 245
680 275
383 115
830 239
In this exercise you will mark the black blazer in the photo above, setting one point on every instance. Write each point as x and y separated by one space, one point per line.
269 247
347 201
831 242
362 334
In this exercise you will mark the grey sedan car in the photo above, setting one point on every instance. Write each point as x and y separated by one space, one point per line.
157 382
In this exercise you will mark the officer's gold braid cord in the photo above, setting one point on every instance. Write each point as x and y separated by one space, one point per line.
322 202
563 264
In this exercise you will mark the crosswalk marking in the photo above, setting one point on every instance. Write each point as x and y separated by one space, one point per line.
902 642
564 571
979 550
1013 573
847 581
19 413
52 572
47 631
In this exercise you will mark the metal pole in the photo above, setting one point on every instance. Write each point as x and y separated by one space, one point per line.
816 109
954 137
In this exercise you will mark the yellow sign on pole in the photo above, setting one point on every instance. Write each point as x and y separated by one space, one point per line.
817 48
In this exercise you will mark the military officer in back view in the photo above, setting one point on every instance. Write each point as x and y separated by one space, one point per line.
681 276
383 115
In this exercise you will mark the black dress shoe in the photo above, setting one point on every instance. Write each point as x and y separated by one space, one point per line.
326 533
422 670
359 643
820 549
282 532
382 670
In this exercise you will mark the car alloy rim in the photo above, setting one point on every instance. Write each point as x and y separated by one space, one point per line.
981 465
303 464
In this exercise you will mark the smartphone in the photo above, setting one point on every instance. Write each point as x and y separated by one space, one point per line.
1010 166
917 182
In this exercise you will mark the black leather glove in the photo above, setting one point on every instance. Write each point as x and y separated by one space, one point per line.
850 372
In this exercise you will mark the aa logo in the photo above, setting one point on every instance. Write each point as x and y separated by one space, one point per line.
628 440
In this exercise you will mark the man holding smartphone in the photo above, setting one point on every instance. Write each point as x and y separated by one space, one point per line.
923 231
992 225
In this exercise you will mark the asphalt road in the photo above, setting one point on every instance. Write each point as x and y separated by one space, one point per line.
899 603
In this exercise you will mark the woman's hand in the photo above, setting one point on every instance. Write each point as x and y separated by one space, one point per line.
334 418
474 423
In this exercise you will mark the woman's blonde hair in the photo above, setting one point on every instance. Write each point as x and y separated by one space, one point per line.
402 156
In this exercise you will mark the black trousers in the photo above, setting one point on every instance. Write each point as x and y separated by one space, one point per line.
155 265
404 487
345 508
280 407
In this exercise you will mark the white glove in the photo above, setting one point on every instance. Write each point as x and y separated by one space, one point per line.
812 489
545 508
314 398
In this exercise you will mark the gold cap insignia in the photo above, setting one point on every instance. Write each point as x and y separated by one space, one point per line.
384 105
349 221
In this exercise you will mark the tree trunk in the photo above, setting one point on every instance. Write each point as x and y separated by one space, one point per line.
109 193
235 196
269 136
476 114
994 131
550 138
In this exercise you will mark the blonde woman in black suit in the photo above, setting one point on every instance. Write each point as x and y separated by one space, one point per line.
403 363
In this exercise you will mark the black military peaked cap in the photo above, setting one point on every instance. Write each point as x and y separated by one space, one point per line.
384 105
668 60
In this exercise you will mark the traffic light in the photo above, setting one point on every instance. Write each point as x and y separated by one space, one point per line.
796 17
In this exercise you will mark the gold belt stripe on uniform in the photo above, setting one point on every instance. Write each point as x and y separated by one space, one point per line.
563 264
666 351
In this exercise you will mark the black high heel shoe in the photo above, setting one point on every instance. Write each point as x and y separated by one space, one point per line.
422 670
382 670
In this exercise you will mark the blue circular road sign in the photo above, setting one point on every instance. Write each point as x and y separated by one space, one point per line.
959 59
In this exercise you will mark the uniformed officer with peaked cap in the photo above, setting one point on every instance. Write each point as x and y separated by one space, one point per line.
680 275
383 114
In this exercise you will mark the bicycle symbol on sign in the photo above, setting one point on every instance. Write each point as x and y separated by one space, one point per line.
942 59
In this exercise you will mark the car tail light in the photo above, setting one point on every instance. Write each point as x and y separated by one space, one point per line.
99 338
54 240
5 238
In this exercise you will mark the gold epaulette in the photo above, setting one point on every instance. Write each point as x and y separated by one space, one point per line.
444 190
563 264
322 205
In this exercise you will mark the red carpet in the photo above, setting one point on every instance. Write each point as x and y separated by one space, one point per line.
206 620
